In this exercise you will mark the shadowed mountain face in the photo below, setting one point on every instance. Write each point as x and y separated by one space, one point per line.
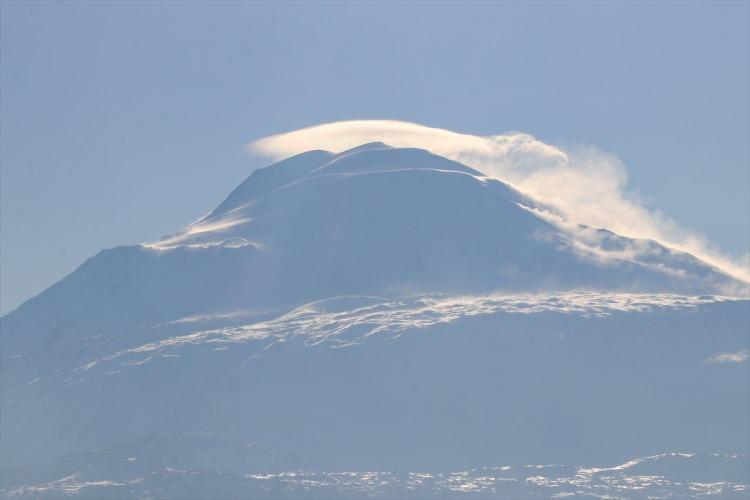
378 309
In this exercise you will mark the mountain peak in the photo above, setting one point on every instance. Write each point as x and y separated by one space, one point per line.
366 147
377 218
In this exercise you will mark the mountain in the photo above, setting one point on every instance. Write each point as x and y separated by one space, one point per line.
380 309
373 220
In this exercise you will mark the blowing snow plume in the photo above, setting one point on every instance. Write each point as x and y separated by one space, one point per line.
587 186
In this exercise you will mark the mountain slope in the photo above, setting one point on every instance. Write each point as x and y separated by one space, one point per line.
432 384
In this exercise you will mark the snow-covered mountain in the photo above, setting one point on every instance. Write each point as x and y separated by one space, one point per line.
379 309
373 220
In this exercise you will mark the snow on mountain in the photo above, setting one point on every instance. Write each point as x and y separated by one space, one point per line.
675 474
379 309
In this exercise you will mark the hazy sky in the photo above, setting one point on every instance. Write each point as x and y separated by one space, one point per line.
121 122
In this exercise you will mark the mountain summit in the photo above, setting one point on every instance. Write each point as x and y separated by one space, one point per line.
374 219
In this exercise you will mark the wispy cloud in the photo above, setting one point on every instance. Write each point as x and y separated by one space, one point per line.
586 185
730 357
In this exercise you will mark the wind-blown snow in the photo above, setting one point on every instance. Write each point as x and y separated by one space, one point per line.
585 184
348 321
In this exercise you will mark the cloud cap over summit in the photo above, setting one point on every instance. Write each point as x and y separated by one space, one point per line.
585 184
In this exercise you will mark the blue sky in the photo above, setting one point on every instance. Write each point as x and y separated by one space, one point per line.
121 122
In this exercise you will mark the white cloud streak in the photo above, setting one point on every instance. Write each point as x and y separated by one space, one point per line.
587 186
730 357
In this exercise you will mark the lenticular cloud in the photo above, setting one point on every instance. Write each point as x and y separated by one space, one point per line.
585 185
